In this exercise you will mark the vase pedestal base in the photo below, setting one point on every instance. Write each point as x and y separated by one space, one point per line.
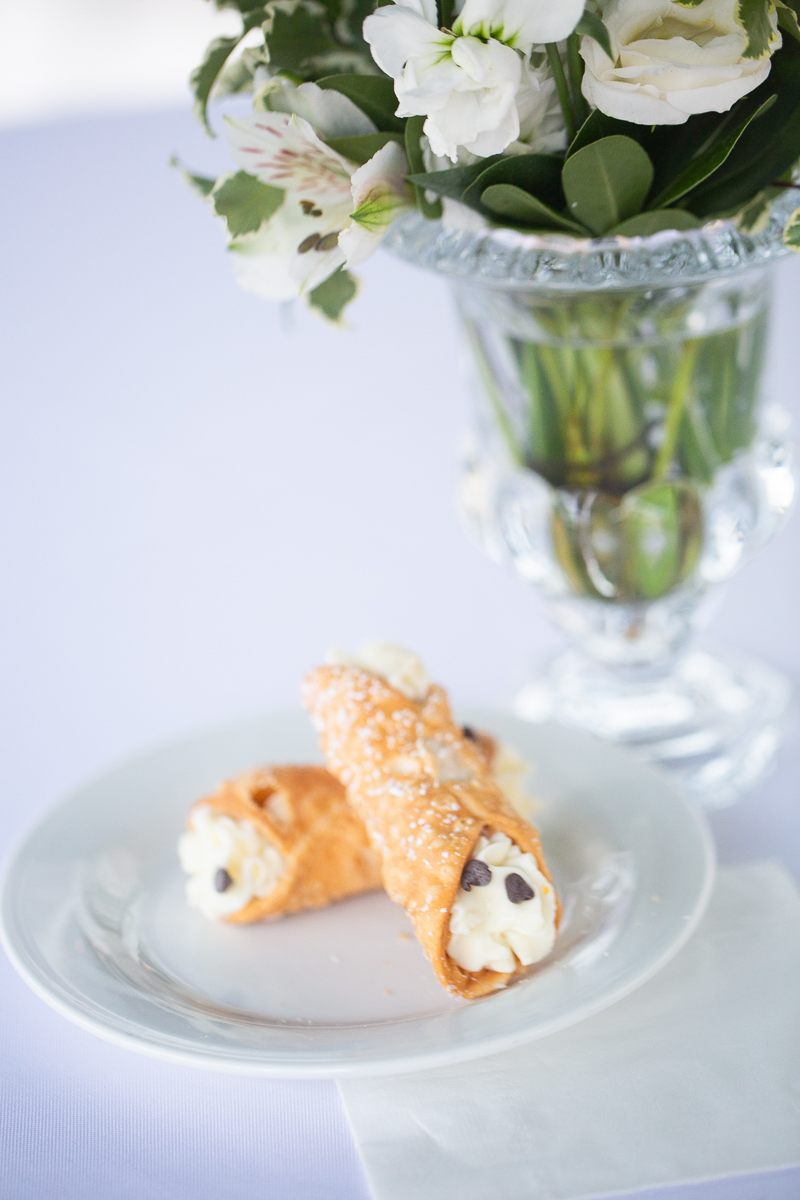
714 721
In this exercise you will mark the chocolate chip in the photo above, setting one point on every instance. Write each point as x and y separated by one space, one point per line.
475 874
469 733
518 889
222 880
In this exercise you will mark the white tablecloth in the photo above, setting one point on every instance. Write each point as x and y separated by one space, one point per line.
200 494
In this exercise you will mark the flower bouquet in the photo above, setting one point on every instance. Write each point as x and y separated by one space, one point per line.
604 182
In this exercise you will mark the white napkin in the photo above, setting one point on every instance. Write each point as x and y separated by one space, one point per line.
695 1075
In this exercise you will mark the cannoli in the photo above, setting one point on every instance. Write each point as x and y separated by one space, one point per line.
275 841
467 868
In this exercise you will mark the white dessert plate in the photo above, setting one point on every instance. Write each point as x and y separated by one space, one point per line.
95 920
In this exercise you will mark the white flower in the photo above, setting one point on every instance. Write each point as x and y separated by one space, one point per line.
671 61
333 211
541 121
380 193
283 258
330 113
520 23
465 82
283 150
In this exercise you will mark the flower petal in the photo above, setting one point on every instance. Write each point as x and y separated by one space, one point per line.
284 151
396 34
329 112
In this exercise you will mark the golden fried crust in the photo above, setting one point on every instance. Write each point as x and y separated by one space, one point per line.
425 793
303 812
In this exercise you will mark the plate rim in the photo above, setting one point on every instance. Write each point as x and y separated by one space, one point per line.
359 1068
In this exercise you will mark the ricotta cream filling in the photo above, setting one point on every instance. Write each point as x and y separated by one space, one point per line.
228 862
492 923
400 668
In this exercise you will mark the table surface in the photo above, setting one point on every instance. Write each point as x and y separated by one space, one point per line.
201 493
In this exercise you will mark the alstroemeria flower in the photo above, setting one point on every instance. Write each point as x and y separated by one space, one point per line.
283 150
380 194
670 61
286 256
333 211
331 114
464 82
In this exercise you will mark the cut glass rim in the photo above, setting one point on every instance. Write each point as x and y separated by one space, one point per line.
510 260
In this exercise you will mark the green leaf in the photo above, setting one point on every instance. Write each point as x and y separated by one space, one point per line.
453 183
754 217
702 168
295 34
767 150
243 6
202 184
606 182
753 16
788 19
244 202
203 78
373 94
416 164
537 174
791 232
332 296
513 204
360 148
643 224
597 125
592 27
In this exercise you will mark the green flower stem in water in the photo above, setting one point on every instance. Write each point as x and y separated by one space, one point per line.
628 432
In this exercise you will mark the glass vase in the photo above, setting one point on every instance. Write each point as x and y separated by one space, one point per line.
621 458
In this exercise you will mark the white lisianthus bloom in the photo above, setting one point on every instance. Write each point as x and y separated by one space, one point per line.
465 82
671 62
519 23
334 213
541 121
380 193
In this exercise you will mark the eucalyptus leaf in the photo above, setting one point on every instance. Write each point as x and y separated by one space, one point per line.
332 296
646 223
513 204
416 165
537 174
244 202
705 166
360 148
606 182
597 125
791 232
592 27
374 95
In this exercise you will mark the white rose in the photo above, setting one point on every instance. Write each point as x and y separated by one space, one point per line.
670 61
465 82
